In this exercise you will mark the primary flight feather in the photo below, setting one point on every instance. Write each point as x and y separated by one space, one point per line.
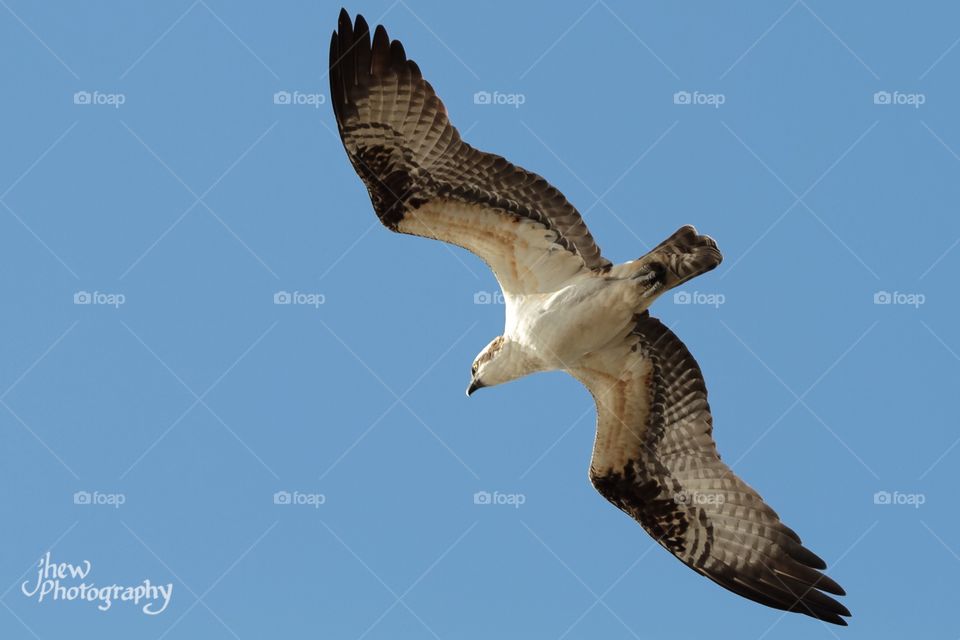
569 308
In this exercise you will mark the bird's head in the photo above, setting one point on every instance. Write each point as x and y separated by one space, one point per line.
500 361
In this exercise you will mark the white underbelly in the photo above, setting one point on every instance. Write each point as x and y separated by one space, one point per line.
562 327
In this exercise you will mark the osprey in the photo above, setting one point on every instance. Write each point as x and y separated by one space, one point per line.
569 308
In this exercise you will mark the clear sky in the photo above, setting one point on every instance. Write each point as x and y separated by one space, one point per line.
168 169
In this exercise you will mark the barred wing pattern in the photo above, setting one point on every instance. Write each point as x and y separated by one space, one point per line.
424 180
655 459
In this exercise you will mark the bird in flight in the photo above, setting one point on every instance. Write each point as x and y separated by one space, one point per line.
568 308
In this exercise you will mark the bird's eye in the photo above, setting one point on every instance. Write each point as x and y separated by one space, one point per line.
473 369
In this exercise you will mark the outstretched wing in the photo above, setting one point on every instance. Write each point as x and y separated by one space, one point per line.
655 458
424 180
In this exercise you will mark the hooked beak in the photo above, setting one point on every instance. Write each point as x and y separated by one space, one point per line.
474 385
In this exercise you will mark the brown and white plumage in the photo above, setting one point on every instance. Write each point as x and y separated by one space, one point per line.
655 459
568 308
424 180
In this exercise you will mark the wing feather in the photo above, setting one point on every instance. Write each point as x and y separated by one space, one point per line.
655 459
424 180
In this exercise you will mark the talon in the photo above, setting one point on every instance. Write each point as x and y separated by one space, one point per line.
653 289
652 271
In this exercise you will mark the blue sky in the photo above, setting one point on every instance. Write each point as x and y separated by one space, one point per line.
156 197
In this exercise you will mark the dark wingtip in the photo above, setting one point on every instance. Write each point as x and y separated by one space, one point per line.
360 24
803 555
380 37
344 24
397 55
380 54
336 89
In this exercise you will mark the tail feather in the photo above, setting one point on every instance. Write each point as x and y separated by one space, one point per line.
684 255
